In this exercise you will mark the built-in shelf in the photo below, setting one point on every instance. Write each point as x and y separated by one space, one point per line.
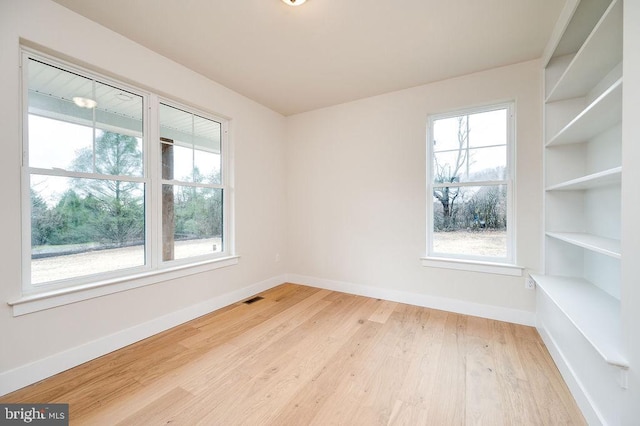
577 30
595 180
578 304
602 245
595 313
599 54
604 112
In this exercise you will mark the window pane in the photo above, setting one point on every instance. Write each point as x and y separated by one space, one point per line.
488 128
470 221
117 110
207 150
196 146
66 113
113 154
470 148
191 221
487 164
51 93
207 166
450 166
84 226
57 144
450 134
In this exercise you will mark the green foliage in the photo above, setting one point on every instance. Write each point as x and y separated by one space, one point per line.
75 215
44 222
198 213
111 211
117 206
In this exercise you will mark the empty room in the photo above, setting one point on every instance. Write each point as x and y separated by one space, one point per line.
296 212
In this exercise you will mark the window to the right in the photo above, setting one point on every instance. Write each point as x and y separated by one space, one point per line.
470 187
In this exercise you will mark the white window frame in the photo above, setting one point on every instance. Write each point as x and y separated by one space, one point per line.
503 265
40 296
225 167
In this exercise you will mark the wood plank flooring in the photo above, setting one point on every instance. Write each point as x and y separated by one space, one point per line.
305 356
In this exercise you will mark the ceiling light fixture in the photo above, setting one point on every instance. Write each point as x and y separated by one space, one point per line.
84 102
294 2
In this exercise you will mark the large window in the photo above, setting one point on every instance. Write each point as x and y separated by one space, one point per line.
470 184
101 199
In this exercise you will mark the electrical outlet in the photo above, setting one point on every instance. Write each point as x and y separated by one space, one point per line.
277 257
529 283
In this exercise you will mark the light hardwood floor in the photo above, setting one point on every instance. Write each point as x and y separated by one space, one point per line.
308 356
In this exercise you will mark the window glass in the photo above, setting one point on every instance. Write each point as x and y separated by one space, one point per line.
196 154
474 223
192 214
470 185
79 131
470 148
81 227
192 221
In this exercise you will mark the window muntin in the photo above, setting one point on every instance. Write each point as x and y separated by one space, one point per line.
87 187
469 184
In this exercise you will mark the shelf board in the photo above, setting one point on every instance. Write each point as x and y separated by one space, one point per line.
580 17
595 313
601 114
595 180
606 246
599 54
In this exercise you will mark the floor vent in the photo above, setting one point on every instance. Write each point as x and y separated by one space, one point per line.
253 300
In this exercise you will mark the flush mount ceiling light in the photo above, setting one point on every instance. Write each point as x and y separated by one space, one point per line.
294 2
84 102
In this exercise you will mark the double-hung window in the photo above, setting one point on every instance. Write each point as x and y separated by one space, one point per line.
107 196
192 189
469 184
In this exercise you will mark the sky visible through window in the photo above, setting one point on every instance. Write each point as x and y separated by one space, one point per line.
486 129
55 144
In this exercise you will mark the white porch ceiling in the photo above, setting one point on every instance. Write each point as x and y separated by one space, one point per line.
326 52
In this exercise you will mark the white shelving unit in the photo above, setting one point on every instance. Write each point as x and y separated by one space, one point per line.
602 245
579 292
592 311
607 177
597 56
602 113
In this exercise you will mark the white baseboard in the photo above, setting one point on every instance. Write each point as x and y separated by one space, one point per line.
591 415
31 373
442 303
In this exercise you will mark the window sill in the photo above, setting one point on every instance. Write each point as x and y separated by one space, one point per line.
473 265
51 299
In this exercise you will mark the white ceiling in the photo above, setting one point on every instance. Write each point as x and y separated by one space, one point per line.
326 52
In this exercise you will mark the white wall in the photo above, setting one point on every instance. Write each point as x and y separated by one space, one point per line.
356 190
257 134
630 297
